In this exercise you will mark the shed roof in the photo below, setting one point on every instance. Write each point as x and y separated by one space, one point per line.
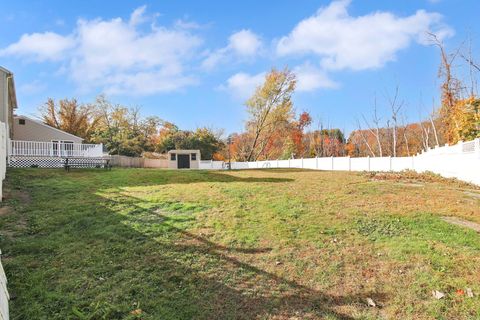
184 150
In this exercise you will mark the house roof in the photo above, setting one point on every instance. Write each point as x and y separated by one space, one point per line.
5 70
11 88
45 125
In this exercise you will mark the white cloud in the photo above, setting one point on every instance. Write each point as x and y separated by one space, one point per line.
32 87
243 44
117 56
242 85
310 78
342 41
114 53
40 46
138 16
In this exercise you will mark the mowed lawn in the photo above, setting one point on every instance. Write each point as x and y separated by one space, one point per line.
257 244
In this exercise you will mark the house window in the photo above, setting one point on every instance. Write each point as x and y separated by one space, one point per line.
173 156
194 156
21 121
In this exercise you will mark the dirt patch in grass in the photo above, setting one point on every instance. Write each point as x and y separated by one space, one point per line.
472 194
416 179
19 195
11 198
5 211
462 223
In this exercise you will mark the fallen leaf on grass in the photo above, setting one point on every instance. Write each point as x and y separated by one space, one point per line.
437 294
469 293
136 312
371 303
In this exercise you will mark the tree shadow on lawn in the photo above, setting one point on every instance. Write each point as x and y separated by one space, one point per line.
229 288
145 177
284 170
144 258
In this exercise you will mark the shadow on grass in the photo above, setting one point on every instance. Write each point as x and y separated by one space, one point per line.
233 289
143 177
285 170
111 257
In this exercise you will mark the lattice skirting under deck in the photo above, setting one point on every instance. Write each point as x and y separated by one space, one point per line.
53 162
35 162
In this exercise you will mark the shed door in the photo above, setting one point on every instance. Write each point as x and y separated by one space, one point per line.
183 161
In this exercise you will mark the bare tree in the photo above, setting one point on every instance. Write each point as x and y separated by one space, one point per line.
365 140
472 68
432 122
375 131
425 136
395 107
451 88
405 136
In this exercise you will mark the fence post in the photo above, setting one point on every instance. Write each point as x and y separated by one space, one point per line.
368 158
332 162
390 163
349 163
302 162
316 162
278 164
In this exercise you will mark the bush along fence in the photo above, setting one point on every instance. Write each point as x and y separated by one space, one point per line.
461 161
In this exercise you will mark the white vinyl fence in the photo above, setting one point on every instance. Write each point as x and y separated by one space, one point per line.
4 297
461 161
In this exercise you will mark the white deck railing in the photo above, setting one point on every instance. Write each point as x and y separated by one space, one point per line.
54 149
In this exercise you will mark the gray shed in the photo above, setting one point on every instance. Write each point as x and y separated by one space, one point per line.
184 159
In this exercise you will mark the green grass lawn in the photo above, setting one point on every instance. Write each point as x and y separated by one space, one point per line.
258 244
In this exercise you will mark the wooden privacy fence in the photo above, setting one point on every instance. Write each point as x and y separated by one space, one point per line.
137 162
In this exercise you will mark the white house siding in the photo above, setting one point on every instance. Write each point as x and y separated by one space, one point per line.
3 96
8 99
4 101
34 130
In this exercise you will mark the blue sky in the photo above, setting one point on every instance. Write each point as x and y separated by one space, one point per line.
195 62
